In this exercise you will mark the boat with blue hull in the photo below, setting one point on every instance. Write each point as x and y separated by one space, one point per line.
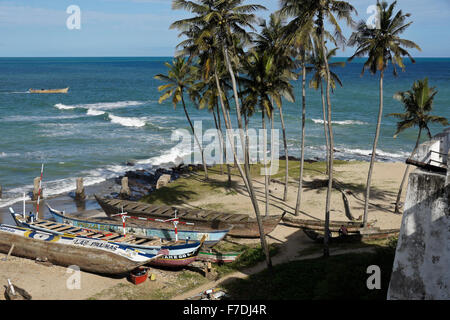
170 253
92 255
143 228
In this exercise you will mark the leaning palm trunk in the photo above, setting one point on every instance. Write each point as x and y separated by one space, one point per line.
326 250
286 177
223 146
220 140
302 151
405 175
266 174
327 140
374 151
246 165
205 168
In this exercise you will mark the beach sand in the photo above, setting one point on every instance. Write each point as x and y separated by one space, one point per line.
50 282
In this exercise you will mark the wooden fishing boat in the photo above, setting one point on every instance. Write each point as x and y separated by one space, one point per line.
65 90
362 234
145 229
170 253
92 255
242 225
334 226
340 230
218 257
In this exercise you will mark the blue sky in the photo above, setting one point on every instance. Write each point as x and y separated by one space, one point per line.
37 28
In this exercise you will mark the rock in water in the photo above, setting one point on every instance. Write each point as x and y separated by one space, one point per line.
79 193
163 181
125 189
36 189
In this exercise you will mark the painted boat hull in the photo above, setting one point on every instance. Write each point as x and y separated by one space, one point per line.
245 228
178 255
65 90
90 255
218 257
319 225
142 228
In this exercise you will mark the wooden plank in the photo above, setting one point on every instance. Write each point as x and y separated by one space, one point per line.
212 216
63 228
73 230
44 223
238 218
164 211
227 216
154 208
98 235
111 237
125 238
182 212
138 241
56 226
130 206
113 202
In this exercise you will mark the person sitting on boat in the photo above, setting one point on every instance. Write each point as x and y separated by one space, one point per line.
343 231
31 217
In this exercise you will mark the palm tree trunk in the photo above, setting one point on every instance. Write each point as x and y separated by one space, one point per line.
246 166
205 168
374 151
224 146
405 175
326 249
286 177
302 151
266 174
327 140
220 140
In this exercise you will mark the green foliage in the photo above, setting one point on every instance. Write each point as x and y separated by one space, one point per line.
418 103
336 277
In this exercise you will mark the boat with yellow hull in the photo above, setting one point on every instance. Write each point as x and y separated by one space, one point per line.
65 90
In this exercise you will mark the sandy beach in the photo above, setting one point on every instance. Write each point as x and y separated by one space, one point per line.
54 282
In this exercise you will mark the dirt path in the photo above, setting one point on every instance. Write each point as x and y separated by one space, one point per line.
289 251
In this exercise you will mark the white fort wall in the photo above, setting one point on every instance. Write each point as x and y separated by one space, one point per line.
421 267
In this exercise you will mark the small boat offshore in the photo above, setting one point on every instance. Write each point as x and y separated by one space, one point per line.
65 90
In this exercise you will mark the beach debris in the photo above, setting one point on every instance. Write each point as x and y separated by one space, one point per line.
125 189
43 261
152 277
9 253
13 292
79 191
163 181
138 275
210 294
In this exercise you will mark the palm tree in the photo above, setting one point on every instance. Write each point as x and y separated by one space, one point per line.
316 61
225 21
265 81
272 37
418 103
309 19
382 45
178 79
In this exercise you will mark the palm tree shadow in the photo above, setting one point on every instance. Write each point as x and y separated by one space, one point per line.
175 195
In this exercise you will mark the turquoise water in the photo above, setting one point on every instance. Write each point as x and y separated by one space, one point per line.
111 115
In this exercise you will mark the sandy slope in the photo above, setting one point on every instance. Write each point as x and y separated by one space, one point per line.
44 282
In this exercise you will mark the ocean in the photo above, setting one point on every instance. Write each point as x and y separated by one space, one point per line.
111 116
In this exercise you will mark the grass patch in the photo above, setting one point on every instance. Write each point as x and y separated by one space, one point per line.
251 255
336 277
193 186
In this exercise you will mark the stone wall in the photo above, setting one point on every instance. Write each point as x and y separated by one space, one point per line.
422 261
